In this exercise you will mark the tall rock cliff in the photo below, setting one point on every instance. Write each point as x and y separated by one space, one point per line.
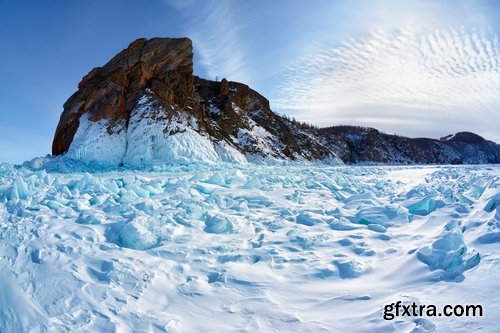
145 107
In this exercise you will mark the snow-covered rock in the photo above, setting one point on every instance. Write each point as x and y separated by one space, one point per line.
145 108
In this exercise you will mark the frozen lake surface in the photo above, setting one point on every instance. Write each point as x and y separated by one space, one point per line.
252 248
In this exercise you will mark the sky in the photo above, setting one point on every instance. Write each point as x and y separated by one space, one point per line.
420 68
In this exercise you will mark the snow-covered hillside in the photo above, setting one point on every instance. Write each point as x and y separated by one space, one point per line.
233 248
354 144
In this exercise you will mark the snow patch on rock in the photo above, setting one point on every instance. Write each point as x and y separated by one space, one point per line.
153 136
93 143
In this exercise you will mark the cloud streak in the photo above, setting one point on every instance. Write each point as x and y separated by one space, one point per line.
216 30
423 73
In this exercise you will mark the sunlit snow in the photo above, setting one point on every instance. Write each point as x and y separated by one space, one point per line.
146 141
225 247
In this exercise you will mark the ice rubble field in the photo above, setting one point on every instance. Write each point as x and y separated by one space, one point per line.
254 248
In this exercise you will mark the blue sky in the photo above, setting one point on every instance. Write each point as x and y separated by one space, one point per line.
417 68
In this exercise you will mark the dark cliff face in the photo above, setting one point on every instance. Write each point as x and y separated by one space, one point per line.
358 144
162 69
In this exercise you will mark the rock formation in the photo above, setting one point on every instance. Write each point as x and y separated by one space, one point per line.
145 107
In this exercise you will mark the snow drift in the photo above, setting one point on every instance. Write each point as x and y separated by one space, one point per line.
246 247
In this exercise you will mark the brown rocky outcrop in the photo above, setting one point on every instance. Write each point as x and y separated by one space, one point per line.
162 69
162 65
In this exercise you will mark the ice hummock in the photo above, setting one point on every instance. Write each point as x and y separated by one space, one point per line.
449 253
241 246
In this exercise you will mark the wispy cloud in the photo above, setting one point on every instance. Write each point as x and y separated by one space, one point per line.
216 30
426 74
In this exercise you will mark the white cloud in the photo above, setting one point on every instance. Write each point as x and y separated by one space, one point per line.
432 75
215 28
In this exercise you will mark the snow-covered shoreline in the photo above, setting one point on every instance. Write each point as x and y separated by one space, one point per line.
228 248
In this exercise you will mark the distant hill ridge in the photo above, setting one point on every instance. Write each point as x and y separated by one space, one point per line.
145 107
361 144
